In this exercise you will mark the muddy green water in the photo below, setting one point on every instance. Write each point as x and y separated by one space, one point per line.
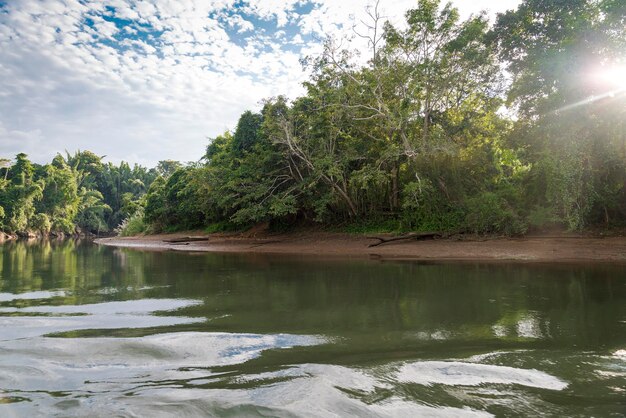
93 331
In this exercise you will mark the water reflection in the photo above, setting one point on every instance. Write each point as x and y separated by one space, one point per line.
9 297
45 320
95 331
59 367
470 374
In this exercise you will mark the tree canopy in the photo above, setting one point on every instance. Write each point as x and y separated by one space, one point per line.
442 124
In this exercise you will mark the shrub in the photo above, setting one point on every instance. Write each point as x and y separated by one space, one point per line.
490 213
40 222
133 225
425 208
541 216
569 188
63 225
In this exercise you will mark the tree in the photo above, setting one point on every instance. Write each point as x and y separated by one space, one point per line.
249 185
166 168
87 165
570 118
248 131
19 195
155 206
60 199
5 164
92 211
123 189
23 170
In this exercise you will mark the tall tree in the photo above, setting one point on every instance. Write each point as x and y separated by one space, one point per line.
558 53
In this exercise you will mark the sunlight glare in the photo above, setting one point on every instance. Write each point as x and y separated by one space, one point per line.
614 77
609 82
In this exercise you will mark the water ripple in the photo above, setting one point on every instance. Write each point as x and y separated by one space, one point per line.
44 320
470 374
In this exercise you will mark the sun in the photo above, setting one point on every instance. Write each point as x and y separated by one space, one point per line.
613 77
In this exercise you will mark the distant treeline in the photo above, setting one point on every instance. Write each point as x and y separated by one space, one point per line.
74 194
442 125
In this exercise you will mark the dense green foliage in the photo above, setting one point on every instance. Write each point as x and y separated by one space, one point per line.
73 194
415 137
428 133
571 117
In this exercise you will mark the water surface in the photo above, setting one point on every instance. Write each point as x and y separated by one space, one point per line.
94 331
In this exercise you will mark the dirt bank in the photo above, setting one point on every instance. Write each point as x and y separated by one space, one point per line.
530 249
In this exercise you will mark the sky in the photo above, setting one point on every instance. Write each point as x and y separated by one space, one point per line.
149 80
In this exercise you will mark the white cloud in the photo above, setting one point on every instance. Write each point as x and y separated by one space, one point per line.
145 80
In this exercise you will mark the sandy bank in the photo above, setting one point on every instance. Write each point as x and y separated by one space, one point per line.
531 249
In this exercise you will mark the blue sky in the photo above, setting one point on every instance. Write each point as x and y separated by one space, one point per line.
146 80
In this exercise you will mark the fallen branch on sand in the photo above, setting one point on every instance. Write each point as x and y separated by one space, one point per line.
260 243
185 239
414 235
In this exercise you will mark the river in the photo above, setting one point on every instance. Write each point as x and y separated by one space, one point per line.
96 331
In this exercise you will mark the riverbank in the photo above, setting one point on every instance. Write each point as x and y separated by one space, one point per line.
566 249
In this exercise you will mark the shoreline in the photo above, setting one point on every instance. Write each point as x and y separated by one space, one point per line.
566 249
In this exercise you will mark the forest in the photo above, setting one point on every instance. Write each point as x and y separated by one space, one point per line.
441 124
75 194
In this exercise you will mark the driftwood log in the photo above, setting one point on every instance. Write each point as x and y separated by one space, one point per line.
185 239
414 235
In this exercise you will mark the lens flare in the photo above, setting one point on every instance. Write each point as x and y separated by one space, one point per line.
613 77
609 82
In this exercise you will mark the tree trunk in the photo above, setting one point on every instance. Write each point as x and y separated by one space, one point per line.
426 116
344 195
395 190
